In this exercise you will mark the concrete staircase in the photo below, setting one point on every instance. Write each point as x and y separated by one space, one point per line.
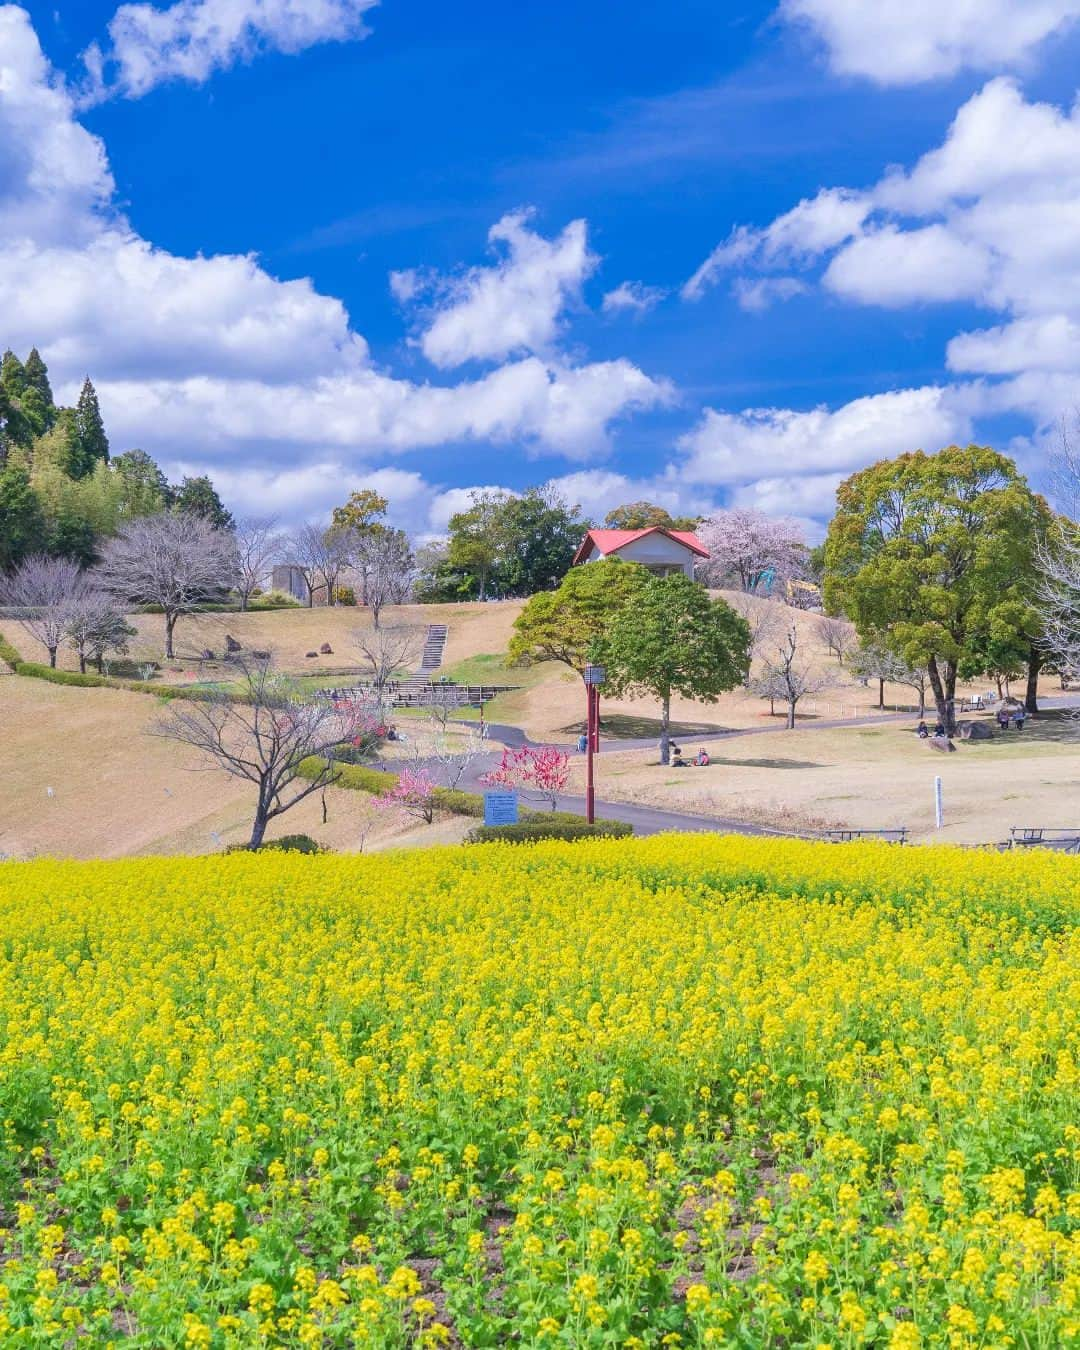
430 660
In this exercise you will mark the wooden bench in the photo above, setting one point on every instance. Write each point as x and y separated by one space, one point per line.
1039 836
897 836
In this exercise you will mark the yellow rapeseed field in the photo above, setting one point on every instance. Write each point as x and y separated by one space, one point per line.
671 1092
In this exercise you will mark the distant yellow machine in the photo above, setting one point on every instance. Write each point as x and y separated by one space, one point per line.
803 594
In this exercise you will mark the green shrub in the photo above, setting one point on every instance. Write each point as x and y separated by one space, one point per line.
344 595
358 777
37 671
529 831
8 653
288 843
459 803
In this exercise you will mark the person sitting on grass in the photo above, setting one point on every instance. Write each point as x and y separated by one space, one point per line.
677 756
922 731
1021 714
701 759
1003 718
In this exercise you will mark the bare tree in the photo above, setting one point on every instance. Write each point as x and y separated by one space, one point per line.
95 623
39 590
453 759
785 678
258 544
1059 599
838 635
751 548
178 561
762 618
387 650
1065 466
321 555
385 560
873 660
263 734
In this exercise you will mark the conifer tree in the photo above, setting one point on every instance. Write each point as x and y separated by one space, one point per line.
12 375
93 443
37 400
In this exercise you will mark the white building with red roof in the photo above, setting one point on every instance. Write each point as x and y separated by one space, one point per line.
661 551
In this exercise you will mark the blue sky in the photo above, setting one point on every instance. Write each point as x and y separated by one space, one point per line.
263 227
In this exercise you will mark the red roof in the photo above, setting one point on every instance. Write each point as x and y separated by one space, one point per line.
606 542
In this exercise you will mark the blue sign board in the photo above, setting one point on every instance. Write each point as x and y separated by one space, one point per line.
500 808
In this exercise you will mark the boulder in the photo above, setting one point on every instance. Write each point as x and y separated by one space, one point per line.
975 731
231 645
326 649
943 744
206 655
261 656
310 654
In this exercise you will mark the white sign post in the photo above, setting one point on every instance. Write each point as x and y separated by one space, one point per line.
938 818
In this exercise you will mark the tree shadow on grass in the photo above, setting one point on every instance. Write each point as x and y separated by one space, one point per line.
625 726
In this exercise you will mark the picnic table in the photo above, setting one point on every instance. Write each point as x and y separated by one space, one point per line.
897 836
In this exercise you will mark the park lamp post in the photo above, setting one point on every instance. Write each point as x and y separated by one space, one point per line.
594 677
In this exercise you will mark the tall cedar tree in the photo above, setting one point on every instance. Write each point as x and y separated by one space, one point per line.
93 443
674 640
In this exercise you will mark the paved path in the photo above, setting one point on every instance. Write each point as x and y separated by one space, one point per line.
652 820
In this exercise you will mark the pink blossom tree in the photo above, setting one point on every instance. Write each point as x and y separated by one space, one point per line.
544 769
413 794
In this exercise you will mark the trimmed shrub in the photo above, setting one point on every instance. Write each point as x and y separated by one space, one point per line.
36 671
288 843
358 777
529 831
459 803
344 595
8 653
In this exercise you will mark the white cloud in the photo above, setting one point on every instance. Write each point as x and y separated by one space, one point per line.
191 39
634 296
597 491
757 295
815 225
514 306
893 267
908 41
215 360
739 449
991 217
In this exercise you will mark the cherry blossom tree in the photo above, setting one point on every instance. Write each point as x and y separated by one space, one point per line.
751 548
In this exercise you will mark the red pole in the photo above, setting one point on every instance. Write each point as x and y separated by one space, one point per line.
590 811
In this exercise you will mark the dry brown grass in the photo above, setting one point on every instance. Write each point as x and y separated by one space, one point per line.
867 777
118 791
474 630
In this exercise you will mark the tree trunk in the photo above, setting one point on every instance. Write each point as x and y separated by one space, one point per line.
243 602
99 662
170 624
880 693
1031 697
922 702
258 828
791 715
52 657
940 697
82 663
950 696
665 726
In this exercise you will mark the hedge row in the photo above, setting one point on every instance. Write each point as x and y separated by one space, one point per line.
35 670
8 654
528 831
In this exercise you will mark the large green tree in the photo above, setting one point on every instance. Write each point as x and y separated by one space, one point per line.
566 624
198 497
90 429
362 513
22 521
540 535
921 549
146 490
674 640
477 538
642 515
